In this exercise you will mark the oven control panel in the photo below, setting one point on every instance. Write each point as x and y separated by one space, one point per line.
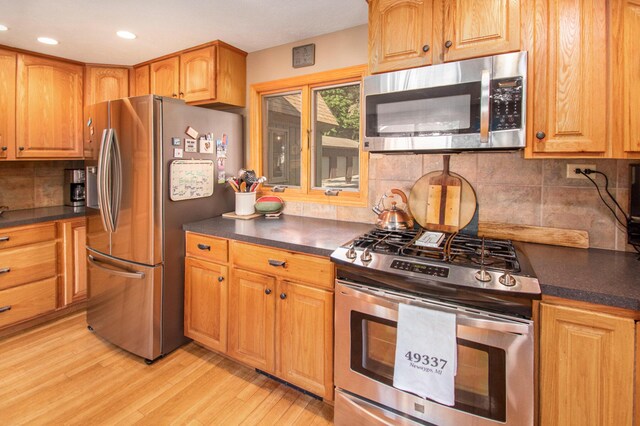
435 271
506 104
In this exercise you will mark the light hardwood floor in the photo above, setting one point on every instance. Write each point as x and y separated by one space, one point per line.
60 373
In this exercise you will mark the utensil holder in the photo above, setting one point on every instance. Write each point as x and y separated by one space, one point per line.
245 203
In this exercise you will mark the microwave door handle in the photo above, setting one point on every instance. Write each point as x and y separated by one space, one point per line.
485 94
101 180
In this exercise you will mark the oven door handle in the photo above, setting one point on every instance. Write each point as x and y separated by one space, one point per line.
500 326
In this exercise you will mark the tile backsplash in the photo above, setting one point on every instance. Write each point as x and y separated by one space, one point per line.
509 189
32 184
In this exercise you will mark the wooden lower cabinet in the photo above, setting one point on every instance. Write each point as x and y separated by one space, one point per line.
586 367
251 319
305 330
205 314
73 263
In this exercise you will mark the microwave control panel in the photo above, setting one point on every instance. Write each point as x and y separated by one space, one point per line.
506 104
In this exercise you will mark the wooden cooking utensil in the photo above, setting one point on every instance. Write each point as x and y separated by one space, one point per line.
419 196
443 204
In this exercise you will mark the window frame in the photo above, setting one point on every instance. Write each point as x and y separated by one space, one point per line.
306 84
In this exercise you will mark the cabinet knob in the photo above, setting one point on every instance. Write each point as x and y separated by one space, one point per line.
4 148
174 95
267 291
21 148
182 94
448 44
426 48
283 296
220 278
541 135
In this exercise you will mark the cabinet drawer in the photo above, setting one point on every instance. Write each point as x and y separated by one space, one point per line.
288 265
26 264
13 237
26 301
206 247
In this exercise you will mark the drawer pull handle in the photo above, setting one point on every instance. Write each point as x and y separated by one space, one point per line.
3 239
278 263
4 270
204 247
5 308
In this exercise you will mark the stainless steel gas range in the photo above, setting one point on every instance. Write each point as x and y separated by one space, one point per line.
487 284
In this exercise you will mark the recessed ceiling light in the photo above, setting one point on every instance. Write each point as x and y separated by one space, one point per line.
126 34
3 27
47 40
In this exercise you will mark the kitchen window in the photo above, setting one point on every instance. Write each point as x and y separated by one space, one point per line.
305 137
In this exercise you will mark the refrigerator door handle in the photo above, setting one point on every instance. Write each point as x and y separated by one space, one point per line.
117 180
115 270
101 181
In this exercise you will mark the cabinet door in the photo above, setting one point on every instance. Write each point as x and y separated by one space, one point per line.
74 261
49 108
252 319
105 84
198 75
165 77
399 33
586 367
7 103
205 298
305 331
474 28
569 75
142 82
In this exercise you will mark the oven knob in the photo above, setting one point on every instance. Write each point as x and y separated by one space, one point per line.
483 276
366 255
351 253
507 279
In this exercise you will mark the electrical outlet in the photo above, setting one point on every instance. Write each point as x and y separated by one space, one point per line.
571 170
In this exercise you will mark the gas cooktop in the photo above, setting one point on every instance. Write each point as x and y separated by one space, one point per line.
453 259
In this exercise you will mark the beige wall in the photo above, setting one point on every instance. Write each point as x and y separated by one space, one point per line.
509 188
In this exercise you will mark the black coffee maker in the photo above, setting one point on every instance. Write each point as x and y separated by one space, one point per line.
74 191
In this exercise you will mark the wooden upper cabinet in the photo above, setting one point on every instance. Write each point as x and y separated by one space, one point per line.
475 28
7 103
105 84
165 77
586 367
142 85
625 51
198 74
49 108
570 93
399 33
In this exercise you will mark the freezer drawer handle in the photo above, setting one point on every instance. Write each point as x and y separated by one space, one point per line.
135 275
204 247
5 270
3 239
278 263
5 308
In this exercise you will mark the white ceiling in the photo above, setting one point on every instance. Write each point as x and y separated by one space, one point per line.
86 29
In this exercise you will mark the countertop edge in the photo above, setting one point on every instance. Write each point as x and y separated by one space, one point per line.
47 217
590 297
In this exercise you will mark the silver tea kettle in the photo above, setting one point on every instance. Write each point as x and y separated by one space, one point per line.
392 219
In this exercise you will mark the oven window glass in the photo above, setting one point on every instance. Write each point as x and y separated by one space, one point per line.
480 381
425 112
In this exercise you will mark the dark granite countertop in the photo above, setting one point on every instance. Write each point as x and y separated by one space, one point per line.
43 214
604 277
296 233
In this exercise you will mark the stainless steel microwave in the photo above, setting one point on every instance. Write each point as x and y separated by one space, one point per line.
473 105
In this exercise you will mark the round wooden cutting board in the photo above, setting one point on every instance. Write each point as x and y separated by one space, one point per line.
418 200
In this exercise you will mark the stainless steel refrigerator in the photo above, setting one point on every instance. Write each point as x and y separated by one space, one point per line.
135 242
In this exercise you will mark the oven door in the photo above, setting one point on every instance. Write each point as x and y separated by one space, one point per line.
494 380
